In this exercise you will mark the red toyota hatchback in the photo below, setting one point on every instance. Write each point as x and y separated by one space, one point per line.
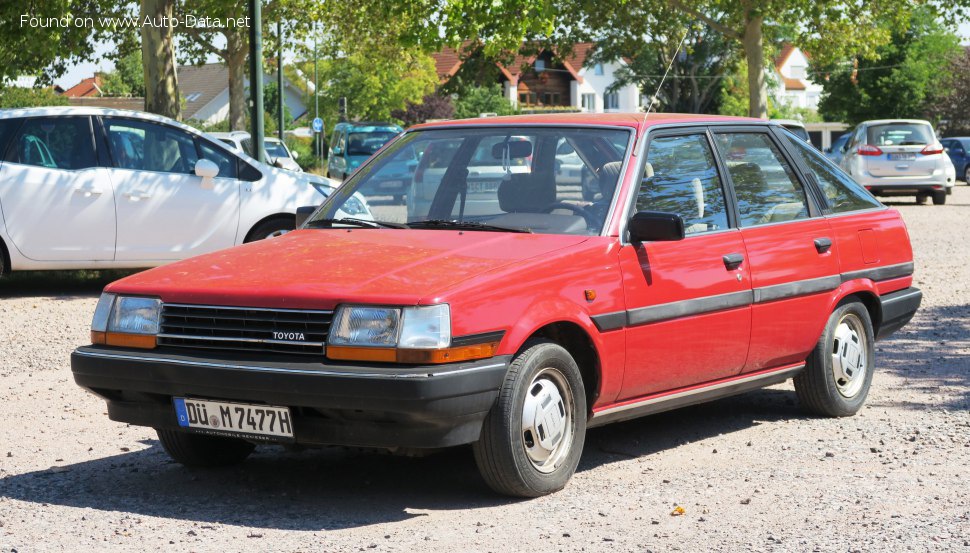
492 305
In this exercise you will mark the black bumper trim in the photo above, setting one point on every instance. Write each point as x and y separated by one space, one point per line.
372 406
897 309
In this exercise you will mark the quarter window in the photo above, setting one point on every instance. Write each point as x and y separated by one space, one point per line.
841 193
225 160
764 183
680 176
143 146
54 143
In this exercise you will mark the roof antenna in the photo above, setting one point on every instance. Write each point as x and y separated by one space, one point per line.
653 98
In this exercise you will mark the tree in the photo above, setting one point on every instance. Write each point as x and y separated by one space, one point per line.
158 59
127 79
432 106
485 99
906 80
15 97
949 107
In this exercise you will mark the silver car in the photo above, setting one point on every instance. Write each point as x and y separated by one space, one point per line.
899 157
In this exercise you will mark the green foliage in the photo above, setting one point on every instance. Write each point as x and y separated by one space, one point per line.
271 100
128 77
303 148
904 81
14 97
484 99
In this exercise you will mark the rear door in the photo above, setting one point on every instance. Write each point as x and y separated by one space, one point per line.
57 202
791 253
688 302
165 211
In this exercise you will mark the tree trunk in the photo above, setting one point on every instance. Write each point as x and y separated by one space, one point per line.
158 58
754 53
236 51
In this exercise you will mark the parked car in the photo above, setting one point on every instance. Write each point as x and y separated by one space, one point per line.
958 150
899 157
721 256
276 152
94 189
836 150
797 128
352 143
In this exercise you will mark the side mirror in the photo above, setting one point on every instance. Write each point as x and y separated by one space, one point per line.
303 213
207 170
277 163
338 151
655 226
296 155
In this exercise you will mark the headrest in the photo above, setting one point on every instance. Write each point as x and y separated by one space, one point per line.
518 149
523 193
609 177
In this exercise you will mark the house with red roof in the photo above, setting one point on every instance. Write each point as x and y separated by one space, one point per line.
794 86
544 80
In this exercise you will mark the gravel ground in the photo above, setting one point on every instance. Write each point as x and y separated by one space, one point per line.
752 472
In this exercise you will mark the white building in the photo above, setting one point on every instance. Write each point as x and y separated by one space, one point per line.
794 86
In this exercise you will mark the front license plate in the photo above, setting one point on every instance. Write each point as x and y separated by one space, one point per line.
234 418
902 157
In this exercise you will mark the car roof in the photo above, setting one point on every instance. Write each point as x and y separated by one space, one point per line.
54 111
634 120
789 123
885 121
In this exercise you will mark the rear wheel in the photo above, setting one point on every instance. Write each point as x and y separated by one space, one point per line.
939 197
966 175
838 373
198 450
272 228
533 437
921 198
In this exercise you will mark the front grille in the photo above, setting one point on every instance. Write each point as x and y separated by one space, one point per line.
244 328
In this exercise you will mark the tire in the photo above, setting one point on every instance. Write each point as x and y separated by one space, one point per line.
277 226
939 197
966 175
197 450
921 198
839 371
534 461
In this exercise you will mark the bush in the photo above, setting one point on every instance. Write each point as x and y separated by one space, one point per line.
485 99
432 106
15 97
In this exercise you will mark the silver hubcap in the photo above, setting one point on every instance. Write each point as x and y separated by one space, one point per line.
276 233
849 355
966 175
547 420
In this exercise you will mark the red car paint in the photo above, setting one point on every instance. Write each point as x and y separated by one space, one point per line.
520 283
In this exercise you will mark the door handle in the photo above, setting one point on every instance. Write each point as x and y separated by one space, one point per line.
87 191
137 195
733 261
822 245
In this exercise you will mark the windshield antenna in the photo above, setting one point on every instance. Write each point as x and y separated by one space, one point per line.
653 99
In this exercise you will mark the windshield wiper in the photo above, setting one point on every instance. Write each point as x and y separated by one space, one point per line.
363 223
465 225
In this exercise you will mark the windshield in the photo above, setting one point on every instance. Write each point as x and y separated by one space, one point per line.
542 180
900 134
366 143
275 149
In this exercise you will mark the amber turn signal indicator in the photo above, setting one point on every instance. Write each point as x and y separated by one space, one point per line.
141 341
590 295
414 356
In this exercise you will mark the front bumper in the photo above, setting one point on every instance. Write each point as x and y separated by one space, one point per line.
349 404
897 308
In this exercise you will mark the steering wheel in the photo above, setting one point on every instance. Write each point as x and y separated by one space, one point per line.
578 210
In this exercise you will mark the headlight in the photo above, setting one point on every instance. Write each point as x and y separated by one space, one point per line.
415 335
353 206
126 321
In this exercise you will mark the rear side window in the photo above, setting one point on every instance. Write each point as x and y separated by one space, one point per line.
680 176
842 194
765 184
900 134
144 146
54 143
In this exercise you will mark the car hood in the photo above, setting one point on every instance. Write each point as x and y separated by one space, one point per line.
318 269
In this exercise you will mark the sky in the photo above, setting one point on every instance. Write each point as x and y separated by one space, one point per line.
84 70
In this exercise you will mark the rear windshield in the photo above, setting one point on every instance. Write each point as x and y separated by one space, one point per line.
900 134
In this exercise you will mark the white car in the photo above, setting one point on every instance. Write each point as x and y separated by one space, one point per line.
276 151
87 188
899 157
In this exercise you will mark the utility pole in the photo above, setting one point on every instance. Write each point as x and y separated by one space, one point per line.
281 121
316 95
256 78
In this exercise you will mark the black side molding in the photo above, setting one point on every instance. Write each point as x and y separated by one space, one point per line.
897 309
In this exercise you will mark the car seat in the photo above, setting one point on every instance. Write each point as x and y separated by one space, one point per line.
523 193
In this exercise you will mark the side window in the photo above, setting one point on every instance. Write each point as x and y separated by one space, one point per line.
144 146
680 176
841 192
764 183
55 143
222 158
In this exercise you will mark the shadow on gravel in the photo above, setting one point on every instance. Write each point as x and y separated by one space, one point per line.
336 489
931 353
58 283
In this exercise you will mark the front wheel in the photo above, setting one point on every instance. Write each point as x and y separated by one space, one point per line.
966 175
199 450
533 436
838 373
271 229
